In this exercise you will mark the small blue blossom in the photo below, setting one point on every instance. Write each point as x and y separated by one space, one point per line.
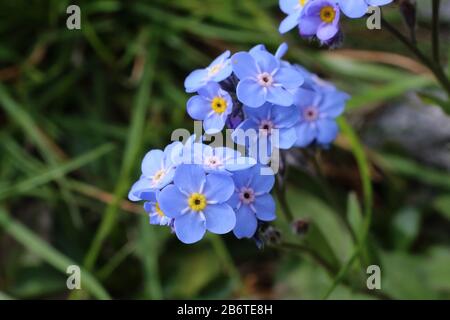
220 159
212 106
265 120
318 110
252 200
217 71
151 206
264 79
358 8
320 18
293 8
158 169
197 202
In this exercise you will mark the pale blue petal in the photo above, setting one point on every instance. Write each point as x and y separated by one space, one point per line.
153 161
190 178
244 65
279 96
288 137
234 200
290 22
210 90
246 223
214 123
306 133
196 80
189 227
172 202
218 187
285 117
266 61
198 107
353 8
265 207
327 131
220 218
308 25
290 78
250 93
288 6
326 31
261 183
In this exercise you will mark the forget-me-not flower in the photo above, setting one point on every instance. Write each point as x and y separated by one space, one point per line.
320 18
158 169
252 200
264 79
151 206
217 71
197 202
318 110
358 8
212 105
265 120
219 159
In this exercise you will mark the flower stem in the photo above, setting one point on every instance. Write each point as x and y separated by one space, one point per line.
437 71
435 32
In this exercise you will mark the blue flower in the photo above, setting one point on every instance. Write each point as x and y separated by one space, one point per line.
358 8
158 168
212 106
252 200
151 206
264 79
318 110
217 71
197 202
293 8
320 18
220 159
264 121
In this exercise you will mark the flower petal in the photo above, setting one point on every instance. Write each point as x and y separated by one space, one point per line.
327 130
261 183
189 178
265 207
198 107
308 25
153 161
246 223
244 65
220 218
290 22
218 188
189 227
287 138
250 93
172 202
306 134
327 31
290 78
353 8
195 80
214 123
279 96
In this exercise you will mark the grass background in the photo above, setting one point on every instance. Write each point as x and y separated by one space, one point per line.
79 109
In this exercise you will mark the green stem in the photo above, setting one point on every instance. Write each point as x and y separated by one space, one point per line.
435 32
436 70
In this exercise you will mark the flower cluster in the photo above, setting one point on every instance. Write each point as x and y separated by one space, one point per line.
195 187
320 18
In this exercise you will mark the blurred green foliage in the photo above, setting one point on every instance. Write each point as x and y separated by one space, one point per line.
79 109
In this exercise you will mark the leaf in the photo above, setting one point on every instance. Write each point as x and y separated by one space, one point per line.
42 249
405 227
442 205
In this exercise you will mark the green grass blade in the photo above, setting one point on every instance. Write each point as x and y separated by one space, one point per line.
55 172
42 249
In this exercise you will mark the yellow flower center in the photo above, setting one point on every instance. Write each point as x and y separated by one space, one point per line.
302 2
159 211
197 202
327 14
219 105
